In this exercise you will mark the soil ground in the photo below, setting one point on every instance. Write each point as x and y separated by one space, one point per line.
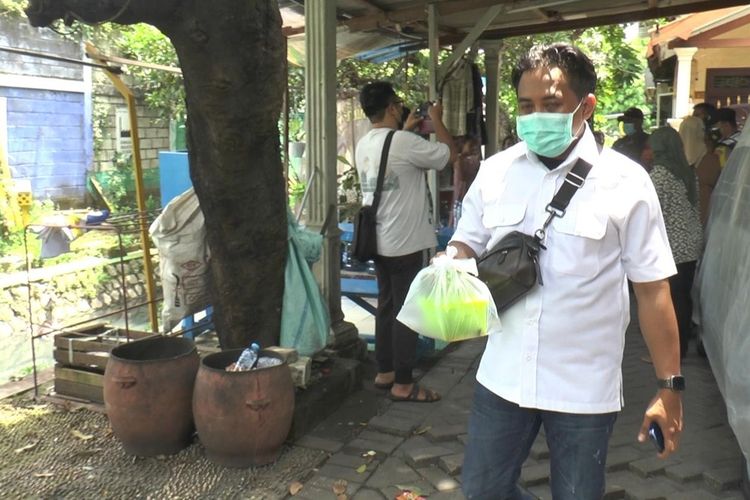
66 451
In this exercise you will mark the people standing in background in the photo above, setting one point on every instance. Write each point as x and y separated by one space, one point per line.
677 189
465 170
635 139
705 112
726 121
404 229
700 155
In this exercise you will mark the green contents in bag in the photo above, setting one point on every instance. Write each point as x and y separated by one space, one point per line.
456 319
447 302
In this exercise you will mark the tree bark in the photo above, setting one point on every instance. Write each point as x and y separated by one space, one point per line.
231 54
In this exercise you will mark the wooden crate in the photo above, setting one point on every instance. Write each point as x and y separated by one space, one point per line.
89 348
82 356
81 384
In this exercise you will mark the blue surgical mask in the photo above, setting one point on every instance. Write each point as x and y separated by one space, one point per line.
628 128
547 134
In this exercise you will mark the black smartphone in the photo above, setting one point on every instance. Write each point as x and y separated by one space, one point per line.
656 436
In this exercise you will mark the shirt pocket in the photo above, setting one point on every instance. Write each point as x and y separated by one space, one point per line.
575 242
503 215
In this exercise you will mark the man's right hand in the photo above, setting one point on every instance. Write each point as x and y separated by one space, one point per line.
463 251
436 111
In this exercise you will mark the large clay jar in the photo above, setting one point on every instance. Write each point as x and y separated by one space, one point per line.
242 418
148 393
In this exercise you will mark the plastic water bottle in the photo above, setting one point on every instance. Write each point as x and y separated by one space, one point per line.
248 359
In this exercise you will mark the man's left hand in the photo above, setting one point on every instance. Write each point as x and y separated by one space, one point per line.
412 121
666 410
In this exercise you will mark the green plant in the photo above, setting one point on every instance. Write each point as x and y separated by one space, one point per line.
162 90
295 188
297 127
12 8
348 181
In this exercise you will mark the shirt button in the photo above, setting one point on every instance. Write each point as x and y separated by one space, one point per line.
528 357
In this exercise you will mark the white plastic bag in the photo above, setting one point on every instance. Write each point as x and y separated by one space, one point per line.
180 235
446 301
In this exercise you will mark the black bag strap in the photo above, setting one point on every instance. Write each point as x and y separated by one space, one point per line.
573 181
381 171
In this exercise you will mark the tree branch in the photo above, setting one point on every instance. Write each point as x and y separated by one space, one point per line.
42 13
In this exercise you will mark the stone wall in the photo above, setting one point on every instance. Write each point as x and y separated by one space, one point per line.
64 295
17 33
152 128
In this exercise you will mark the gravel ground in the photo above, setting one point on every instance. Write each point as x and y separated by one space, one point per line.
62 451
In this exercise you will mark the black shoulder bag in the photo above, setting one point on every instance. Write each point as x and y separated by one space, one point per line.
511 268
365 241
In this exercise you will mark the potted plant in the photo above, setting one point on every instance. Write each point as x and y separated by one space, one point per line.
296 136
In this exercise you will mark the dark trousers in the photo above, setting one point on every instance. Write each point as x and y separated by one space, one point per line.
680 286
500 437
395 344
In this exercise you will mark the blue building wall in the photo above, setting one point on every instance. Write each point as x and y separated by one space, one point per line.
46 140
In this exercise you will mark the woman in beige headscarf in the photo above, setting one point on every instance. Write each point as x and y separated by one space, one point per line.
700 156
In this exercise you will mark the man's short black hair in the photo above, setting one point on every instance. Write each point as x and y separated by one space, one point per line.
709 110
375 97
727 115
577 67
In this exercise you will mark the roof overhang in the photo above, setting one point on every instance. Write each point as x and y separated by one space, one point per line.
694 29
367 28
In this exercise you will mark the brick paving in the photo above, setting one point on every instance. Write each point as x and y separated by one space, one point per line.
420 446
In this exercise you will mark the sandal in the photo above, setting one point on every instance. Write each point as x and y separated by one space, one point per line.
430 396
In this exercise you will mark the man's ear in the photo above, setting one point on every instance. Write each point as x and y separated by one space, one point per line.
589 103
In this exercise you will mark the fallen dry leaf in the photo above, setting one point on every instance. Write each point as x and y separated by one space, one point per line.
27 447
339 487
295 488
361 469
409 493
422 430
87 453
80 435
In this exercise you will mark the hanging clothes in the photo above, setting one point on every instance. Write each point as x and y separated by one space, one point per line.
475 122
458 98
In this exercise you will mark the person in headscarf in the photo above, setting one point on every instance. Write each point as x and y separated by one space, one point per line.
677 188
700 155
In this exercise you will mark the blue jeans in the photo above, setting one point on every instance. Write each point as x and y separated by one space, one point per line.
501 434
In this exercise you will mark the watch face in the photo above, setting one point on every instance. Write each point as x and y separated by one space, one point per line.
678 383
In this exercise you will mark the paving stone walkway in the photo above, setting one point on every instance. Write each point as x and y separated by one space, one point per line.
421 446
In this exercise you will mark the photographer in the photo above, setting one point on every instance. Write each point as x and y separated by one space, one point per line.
404 225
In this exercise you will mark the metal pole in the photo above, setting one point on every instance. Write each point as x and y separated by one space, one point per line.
148 270
31 314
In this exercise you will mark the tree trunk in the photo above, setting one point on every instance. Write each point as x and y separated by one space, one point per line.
231 54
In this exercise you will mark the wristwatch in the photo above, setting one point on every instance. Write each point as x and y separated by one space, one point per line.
674 383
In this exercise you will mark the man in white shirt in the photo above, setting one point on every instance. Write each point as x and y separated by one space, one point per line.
404 225
557 359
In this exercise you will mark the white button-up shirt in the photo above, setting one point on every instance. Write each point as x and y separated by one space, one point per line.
560 347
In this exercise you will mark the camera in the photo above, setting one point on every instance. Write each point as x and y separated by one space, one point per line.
425 127
422 109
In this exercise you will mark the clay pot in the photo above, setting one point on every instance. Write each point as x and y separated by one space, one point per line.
148 393
242 418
